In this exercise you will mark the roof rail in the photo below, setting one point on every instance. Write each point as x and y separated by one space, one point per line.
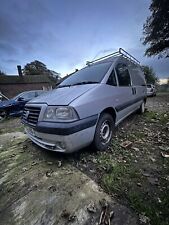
121 52
127 55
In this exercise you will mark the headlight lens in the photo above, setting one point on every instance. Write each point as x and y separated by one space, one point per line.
53 113
50 112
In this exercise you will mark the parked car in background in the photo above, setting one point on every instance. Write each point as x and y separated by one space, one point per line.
86 106
151 91
3 97
14 106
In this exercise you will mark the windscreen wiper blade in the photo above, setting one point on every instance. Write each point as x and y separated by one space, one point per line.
61 86
85 82
79 83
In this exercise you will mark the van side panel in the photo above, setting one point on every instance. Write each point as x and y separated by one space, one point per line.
138 81
122 99
101 97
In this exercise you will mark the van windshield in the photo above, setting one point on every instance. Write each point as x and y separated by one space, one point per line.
88 75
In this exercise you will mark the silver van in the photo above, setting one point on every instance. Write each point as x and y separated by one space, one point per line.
86 106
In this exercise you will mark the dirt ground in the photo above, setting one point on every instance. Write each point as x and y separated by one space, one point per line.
42 187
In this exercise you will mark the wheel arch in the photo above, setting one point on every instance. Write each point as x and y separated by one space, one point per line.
111 111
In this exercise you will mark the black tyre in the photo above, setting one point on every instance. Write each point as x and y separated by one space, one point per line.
3 115
141 110
104 132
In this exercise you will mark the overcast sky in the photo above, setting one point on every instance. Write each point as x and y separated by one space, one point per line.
65 33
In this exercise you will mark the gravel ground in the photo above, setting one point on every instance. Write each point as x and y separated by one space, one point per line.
160 103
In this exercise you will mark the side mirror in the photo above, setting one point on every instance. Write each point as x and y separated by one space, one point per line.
20 99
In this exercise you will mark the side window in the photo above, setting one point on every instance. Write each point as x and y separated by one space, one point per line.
137 75
112 79
123 75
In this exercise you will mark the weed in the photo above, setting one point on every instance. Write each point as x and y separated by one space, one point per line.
151 116
157 211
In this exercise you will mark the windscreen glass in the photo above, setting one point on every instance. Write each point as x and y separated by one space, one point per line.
91 74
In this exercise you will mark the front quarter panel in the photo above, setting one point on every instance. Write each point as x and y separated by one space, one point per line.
96 100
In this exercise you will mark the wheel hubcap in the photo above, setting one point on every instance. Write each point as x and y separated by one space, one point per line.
105 132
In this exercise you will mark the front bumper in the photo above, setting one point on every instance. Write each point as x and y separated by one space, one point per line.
150 93
59 143
63 137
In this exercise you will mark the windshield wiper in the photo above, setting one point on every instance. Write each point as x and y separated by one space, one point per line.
66 85
85 82
79 83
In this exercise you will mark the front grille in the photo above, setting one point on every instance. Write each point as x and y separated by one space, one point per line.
31 114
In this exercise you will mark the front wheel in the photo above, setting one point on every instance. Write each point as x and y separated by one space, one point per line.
104 132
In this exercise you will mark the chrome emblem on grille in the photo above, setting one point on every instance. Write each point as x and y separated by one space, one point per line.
26 114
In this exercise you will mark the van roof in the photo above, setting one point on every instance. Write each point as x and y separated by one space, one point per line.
114 56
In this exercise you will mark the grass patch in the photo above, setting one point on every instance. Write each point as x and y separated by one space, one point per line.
136 135
151 116
9 130
11 125
119 179
127 182
156 211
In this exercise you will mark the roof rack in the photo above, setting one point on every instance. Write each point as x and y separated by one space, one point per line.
121 52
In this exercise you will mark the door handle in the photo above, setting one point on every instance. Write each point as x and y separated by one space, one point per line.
133 90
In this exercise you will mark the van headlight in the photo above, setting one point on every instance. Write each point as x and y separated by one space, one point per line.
54 113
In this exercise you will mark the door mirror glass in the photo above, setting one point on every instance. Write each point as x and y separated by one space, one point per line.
20 99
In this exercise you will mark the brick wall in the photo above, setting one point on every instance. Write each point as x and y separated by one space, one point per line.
11 90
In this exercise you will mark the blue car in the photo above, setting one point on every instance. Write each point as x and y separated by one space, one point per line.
14 106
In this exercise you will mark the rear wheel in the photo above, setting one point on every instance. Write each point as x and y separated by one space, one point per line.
142 108
3 115
104 132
